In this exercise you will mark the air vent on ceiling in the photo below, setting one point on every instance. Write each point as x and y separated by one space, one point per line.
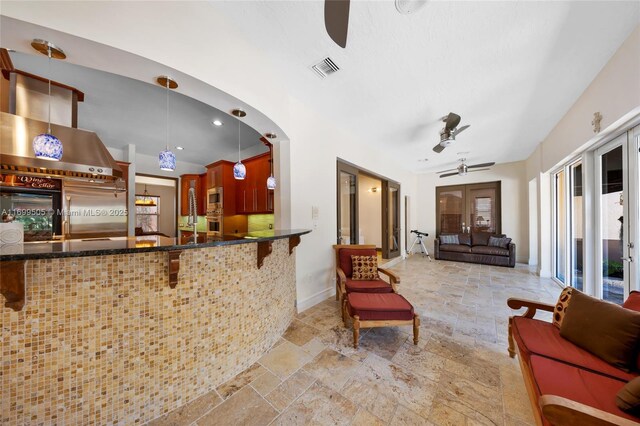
325 67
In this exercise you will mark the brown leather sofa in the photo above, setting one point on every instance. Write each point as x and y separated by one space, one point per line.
474 248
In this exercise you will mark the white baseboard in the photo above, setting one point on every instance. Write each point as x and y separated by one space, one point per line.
321 296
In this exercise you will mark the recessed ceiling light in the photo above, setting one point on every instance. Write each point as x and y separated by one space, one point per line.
216 123
271 135
179 148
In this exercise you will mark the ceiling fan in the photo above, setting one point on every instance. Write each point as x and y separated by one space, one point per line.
450 131
463 168
336 16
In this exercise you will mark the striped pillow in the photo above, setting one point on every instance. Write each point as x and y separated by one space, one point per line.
502 242
449 239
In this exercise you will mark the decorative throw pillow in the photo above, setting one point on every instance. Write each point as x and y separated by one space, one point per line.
628 398
608 331
561 306
365 268
449 239
499 242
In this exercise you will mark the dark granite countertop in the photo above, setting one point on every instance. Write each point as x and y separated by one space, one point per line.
121 245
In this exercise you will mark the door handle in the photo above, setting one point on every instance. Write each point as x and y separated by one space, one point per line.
627 259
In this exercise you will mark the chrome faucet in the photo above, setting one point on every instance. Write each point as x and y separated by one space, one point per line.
193 211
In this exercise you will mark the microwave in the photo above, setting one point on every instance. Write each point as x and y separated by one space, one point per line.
214 201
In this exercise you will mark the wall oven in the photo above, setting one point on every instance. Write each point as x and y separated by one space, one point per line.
214 201
214 225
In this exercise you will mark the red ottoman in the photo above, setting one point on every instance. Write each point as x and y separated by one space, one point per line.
379 310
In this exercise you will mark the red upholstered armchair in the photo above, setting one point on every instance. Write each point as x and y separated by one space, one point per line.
344 283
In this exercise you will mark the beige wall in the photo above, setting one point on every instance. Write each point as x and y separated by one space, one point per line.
515 201
167 222
369 211
615 93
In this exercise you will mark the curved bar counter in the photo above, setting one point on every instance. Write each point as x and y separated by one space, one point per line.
100 336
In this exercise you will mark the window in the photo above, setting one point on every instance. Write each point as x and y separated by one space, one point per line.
147 212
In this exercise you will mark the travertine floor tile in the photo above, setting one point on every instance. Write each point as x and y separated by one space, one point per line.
300 333
332 368
365 418
245 407
319 405
241 380
285 359
290 389
266 383
190 412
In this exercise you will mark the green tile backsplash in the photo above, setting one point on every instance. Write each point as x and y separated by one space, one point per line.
260 222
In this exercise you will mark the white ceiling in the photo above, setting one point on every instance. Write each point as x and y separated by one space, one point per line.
125 111
510 69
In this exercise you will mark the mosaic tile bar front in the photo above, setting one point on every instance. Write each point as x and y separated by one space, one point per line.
104 340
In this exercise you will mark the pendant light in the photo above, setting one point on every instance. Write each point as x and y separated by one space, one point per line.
146 200
239 169
46 146
167 159
271 180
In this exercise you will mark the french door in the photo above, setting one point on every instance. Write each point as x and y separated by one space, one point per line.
349 192
468 208
347 204
616 224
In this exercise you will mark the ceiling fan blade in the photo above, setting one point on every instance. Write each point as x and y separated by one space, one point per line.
462 129
438 148
477 170
449 174
481 165
445 171
453 120
336 20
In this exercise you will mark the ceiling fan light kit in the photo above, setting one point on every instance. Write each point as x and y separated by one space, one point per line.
463 169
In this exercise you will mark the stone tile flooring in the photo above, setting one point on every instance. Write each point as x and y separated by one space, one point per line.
458 374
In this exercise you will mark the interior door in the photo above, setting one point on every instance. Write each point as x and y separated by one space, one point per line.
347 232
612 221
391 220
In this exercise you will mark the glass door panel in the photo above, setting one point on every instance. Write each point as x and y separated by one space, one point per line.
34 211
391 245
561 229
450 210
611 195
482 209
576 226
347 208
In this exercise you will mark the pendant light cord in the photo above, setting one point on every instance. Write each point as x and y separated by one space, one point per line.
167 139
49 72
239 159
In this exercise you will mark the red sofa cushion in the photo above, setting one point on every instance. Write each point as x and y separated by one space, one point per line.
592 389
375 306
345 258
364 286
535 337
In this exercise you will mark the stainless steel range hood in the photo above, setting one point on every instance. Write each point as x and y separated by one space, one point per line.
84 154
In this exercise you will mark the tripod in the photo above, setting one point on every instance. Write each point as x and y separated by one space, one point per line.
418 240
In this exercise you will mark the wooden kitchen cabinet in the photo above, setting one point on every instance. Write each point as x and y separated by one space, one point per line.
220 175
185 184
252 193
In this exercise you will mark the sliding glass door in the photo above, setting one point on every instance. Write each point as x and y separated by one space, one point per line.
576 212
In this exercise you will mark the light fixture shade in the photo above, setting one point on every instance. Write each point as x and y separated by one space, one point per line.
239 171
47 147
271 182
167 160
